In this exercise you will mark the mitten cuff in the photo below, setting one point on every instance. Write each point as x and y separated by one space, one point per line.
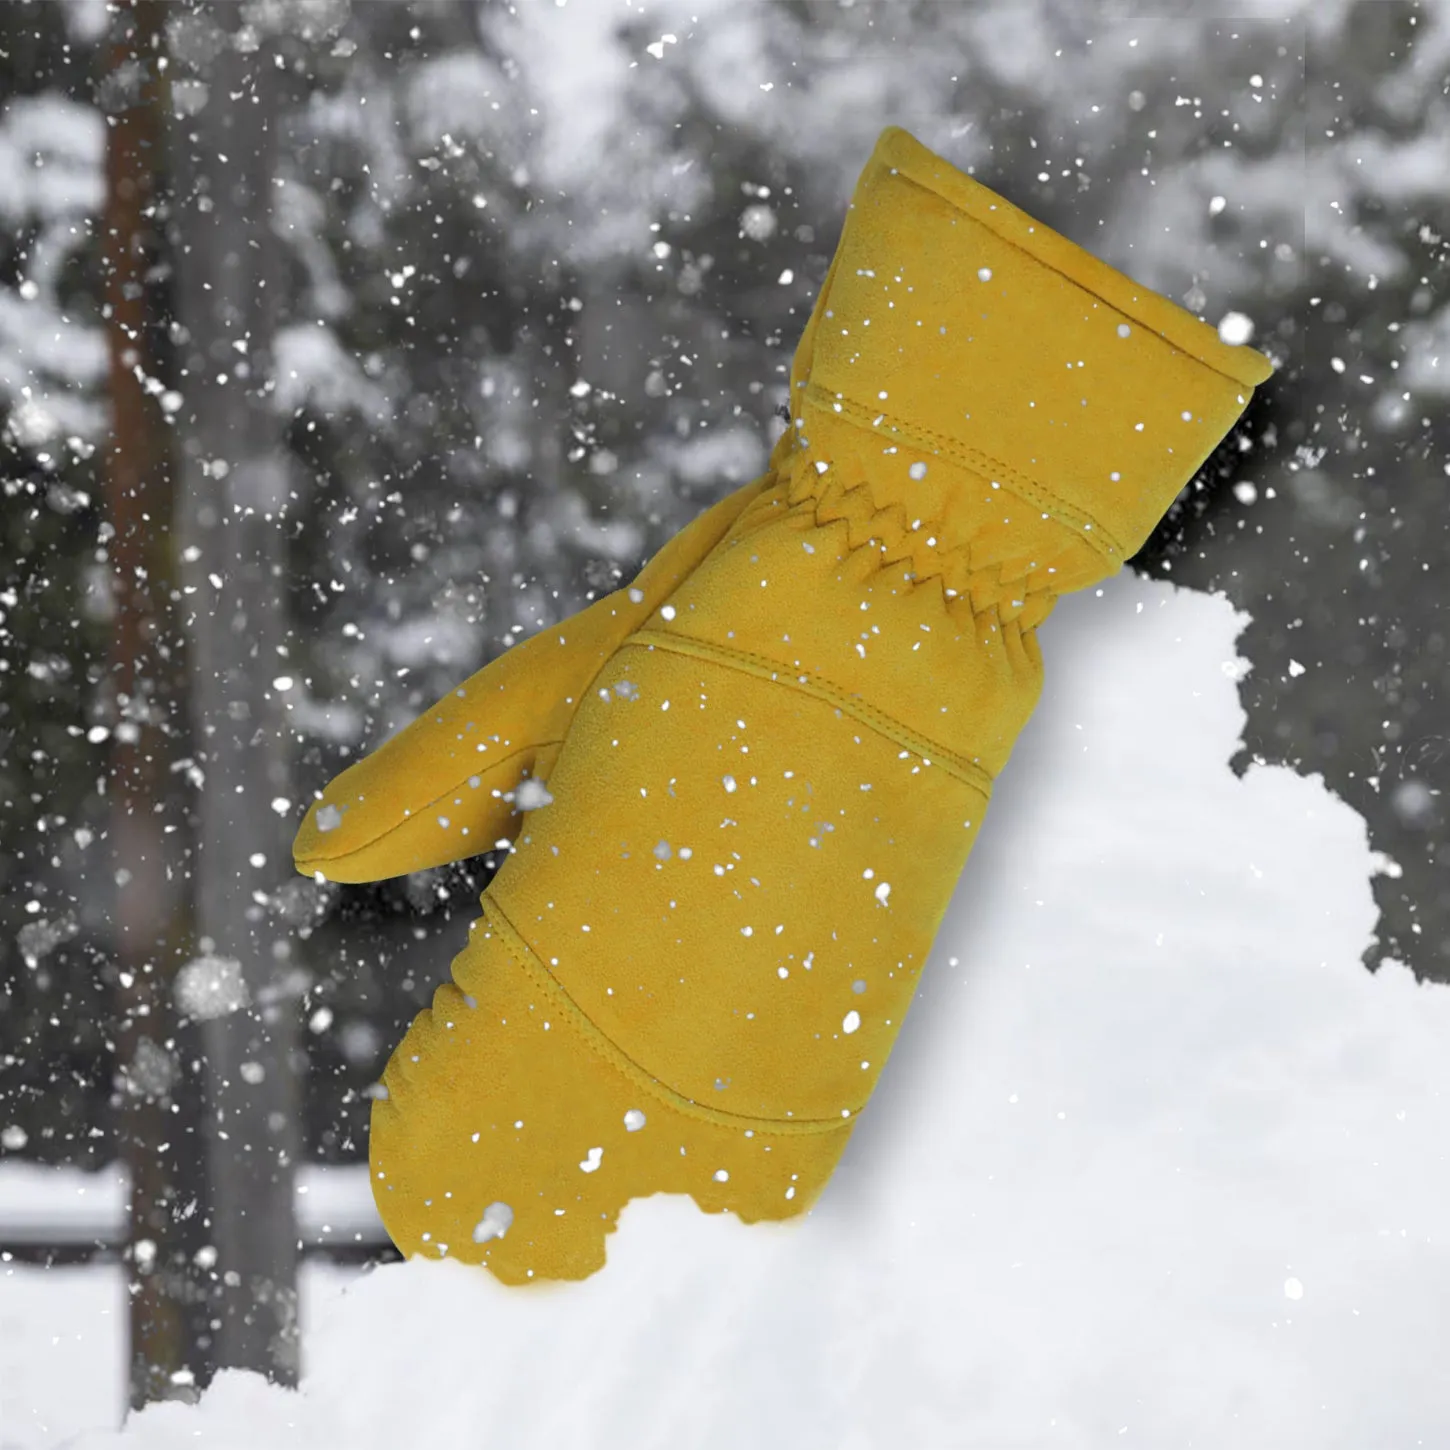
954 324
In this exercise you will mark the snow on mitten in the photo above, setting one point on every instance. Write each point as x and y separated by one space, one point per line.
771 758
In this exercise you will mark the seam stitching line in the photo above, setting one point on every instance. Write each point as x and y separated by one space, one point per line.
758 666
428 805
663 594
605 1046
1067 276
1094 532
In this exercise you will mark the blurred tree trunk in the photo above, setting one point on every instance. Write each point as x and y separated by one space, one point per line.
234 490
157 1118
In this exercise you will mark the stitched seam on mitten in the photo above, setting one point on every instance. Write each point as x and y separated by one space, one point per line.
601 1043
1035 492
761 667
409 818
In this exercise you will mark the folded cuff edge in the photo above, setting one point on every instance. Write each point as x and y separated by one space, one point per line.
900 151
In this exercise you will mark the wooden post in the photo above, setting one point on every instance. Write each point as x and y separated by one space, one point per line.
157 1118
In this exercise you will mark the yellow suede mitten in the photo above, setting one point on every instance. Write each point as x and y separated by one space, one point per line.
767 761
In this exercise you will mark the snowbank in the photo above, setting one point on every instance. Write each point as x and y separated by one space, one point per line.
1156 1161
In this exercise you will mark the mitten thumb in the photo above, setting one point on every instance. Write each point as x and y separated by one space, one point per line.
445 787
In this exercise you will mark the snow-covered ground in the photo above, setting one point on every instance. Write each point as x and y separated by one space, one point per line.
1156 1162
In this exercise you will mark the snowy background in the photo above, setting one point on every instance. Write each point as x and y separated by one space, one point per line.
538 270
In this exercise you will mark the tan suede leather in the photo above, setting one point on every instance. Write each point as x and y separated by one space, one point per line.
770 759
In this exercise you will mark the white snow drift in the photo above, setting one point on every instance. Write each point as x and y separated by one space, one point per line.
1156 1161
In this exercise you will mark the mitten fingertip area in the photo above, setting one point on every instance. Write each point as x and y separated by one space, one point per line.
502 1136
